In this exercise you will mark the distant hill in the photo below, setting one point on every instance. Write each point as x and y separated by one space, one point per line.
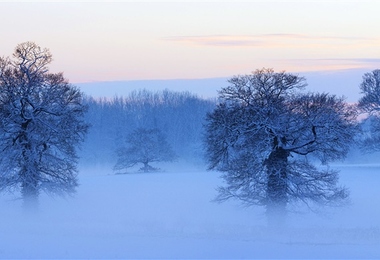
342 83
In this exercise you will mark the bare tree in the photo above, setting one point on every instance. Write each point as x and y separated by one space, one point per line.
263 135
144 146
40 124
370 104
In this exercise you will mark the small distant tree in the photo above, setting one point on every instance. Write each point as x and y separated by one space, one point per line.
41 122
263 134
370 104
144 146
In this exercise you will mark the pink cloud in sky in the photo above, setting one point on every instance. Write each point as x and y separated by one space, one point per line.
273 40
285 50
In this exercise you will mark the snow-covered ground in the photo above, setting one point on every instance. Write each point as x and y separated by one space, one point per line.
171 215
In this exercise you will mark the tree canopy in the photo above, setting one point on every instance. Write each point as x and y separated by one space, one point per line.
41 122
370 104
264 134
144 146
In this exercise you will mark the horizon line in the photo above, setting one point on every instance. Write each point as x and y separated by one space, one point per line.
223 77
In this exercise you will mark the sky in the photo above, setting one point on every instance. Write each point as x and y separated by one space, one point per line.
146 40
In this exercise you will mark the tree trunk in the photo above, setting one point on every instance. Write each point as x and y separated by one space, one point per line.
277 186
146 167
29 174
29 191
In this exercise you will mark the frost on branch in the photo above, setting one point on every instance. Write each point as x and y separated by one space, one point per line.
264 135
370 104
40 125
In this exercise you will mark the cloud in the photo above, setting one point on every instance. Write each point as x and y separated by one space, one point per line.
349 62
271 40
328 64
361 60
217 40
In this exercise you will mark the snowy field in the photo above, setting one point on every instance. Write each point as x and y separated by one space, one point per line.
170 215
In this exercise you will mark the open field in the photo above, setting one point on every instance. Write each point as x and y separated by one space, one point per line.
171 215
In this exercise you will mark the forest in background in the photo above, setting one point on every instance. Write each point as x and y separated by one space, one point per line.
178 115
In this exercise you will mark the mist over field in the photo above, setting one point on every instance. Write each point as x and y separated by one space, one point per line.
170 214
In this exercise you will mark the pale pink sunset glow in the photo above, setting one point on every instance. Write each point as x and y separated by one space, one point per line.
129 40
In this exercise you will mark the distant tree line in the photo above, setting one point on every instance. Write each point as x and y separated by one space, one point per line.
179 116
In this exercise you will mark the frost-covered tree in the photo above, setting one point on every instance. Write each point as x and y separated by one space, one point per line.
144 146
40 125
370 103
263 135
